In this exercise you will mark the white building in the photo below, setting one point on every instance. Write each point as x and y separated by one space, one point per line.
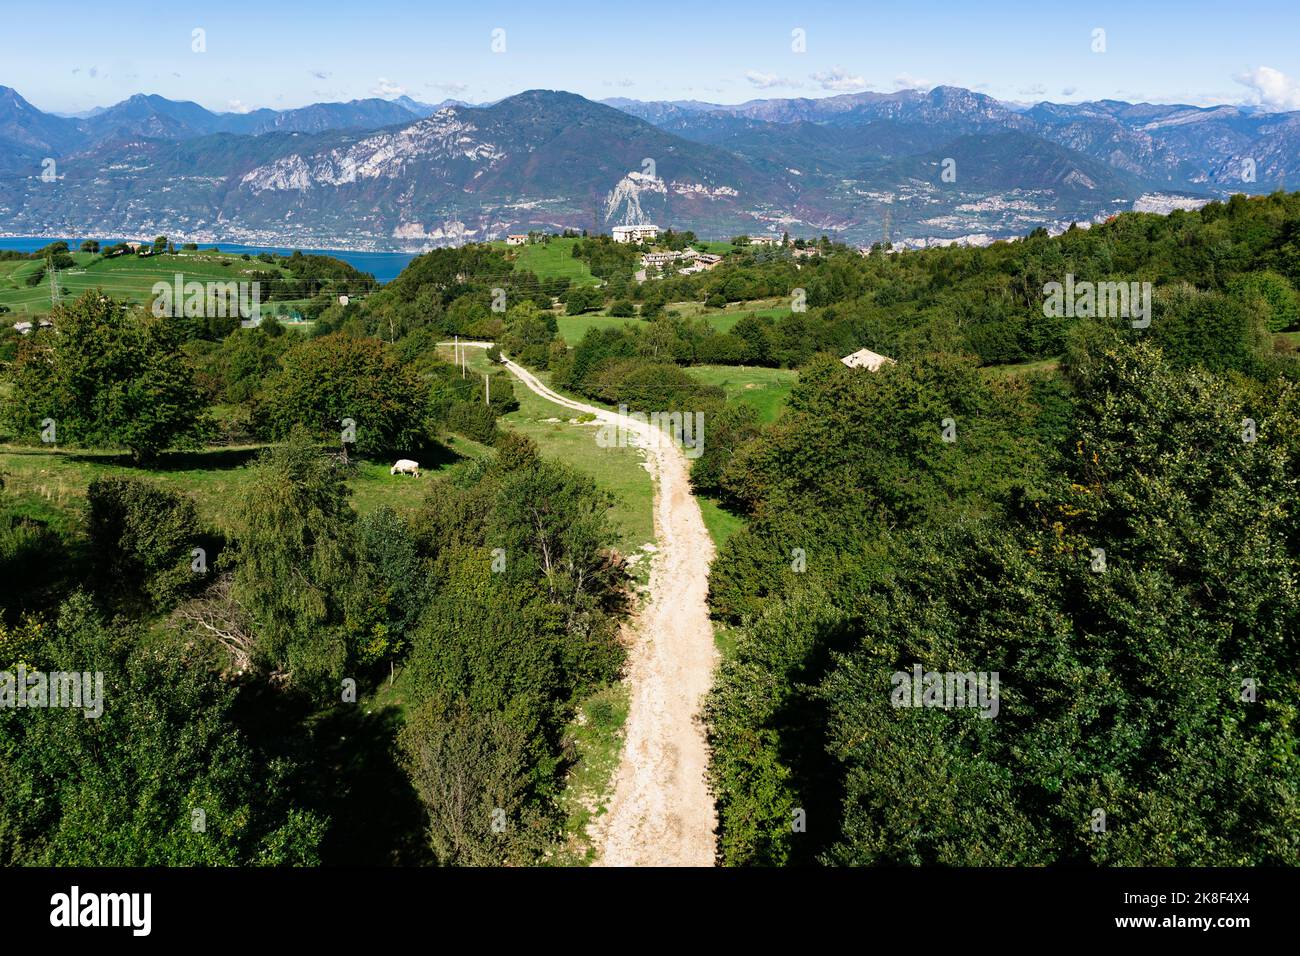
660 258
865 358
24 328
635 233
517 240
764 240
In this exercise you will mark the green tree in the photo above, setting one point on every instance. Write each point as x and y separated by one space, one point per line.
295 562
326 381
163 776
142 537
110 377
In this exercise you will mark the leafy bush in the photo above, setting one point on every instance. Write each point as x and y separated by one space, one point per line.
142 538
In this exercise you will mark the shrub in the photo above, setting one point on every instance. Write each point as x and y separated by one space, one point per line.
142 537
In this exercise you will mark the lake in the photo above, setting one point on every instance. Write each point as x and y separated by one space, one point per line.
384 266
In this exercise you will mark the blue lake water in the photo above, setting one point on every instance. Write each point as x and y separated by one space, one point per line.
384 266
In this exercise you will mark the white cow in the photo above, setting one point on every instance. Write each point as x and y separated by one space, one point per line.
406 467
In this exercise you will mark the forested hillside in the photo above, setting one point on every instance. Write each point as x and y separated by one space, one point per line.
1117 541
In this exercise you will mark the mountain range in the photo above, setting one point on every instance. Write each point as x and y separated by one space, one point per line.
398 174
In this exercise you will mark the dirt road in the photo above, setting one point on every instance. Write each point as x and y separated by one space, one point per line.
661 813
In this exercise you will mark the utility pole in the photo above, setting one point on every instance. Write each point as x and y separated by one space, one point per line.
54 280
487 389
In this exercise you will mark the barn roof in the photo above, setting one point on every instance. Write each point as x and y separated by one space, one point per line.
865 358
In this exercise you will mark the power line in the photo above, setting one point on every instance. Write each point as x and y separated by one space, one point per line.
54 280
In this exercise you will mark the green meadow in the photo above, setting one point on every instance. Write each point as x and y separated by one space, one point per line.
765 389
52 482
126 277
549 260
619 471
574 327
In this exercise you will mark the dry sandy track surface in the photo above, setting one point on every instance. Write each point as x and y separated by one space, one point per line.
661 812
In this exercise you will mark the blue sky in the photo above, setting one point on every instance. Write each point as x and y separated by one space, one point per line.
282 53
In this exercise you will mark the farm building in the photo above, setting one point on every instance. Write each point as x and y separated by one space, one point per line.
23 328
516 239
865 358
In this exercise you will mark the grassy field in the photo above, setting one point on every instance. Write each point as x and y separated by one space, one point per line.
124 277
574 327
766 389
548 260
54 481
720 523
771 308
620 471
1024 368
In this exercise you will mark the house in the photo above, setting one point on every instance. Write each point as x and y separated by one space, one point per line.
635 233
703 263
517 239
133 246
764 241
22 328
659 258
806 252
865 358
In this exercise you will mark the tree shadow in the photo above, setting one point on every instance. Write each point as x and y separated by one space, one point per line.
347 770
432 455
376 818
208 459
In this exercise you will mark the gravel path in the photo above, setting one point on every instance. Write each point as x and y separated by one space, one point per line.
661 812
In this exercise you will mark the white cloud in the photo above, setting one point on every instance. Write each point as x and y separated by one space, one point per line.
1036 89
906 81
839 79
1069 91
387 89
453 89
620 83
238 107
768 81
1271 88
320 74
